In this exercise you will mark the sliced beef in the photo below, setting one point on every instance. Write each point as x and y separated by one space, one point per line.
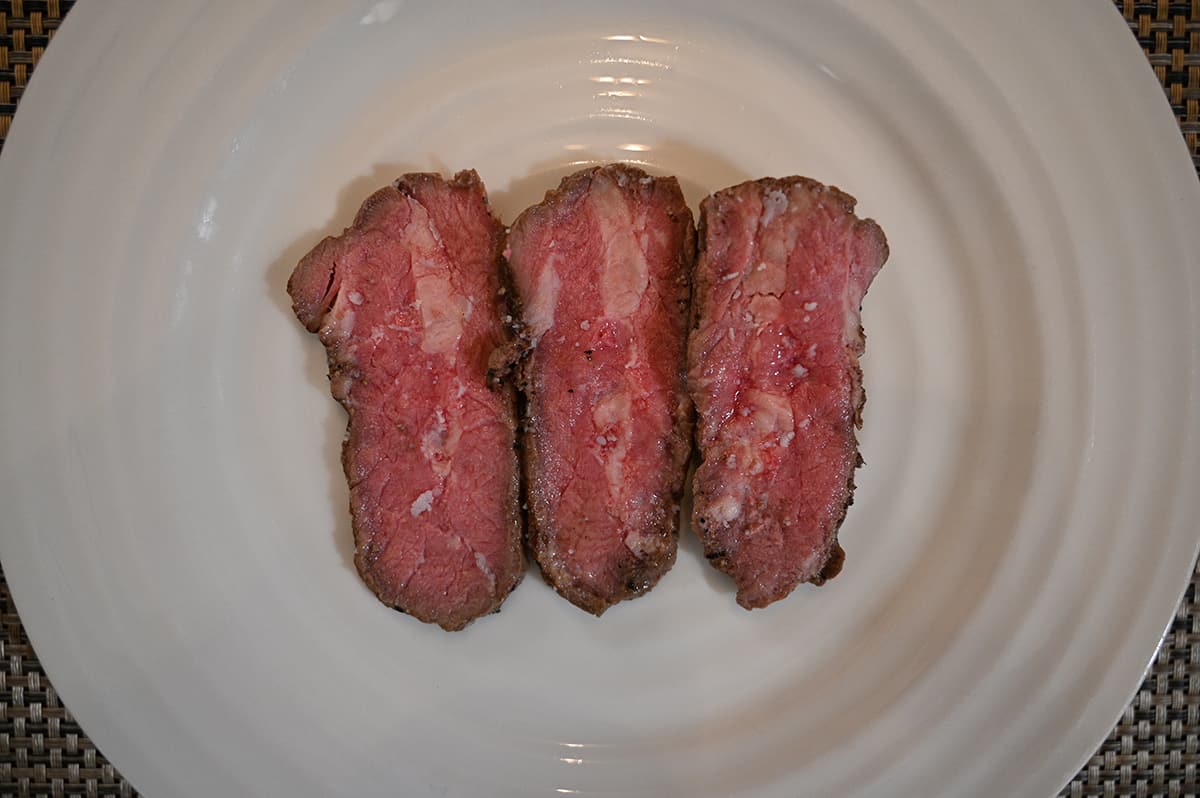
409 305
773 370
602 268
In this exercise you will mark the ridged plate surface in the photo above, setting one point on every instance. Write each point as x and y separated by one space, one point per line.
175 530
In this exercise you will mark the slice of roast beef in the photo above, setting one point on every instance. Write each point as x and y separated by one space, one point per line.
602 268
773 370
408 302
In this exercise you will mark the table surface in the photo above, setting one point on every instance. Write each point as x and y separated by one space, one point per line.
1154 749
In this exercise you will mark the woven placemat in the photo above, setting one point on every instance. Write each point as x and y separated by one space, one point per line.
1154 750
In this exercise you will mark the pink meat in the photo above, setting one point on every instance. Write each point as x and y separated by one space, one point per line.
409 305
601 267
773 370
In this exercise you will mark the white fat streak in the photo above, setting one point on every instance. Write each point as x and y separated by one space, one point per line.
442 307
640 541
343 325
775 202
482 564
422 503
625 274
812 562
613 418
542 298
725 509
439 443
770 413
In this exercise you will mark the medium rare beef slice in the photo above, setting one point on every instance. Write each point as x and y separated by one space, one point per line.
409 305
602 269
773 370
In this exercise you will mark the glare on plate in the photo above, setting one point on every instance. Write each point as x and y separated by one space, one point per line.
629 37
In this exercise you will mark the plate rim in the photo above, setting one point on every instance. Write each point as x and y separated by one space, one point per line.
56 67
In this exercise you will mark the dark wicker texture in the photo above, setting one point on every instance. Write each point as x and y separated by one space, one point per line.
1154 750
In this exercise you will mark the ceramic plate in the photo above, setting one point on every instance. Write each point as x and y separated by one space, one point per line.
175 528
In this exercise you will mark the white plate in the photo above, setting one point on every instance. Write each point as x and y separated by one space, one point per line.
175 529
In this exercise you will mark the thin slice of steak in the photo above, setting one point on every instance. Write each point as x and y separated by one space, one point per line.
602 269
773 370
408 302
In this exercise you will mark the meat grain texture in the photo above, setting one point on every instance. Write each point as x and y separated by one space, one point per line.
773 370
408 303
602 270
